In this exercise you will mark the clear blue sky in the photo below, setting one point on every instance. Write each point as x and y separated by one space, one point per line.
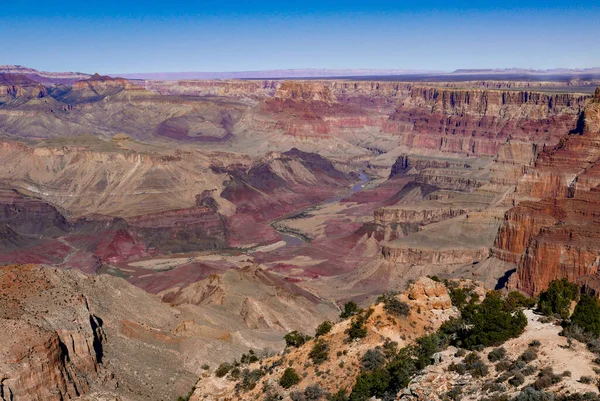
172 36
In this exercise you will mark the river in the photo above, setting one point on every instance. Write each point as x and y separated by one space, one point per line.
293 240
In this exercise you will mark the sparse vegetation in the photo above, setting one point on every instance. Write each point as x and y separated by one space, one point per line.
295 339
393 305
324 328
319 352
289 378
350 309
223 369
497 354
372 359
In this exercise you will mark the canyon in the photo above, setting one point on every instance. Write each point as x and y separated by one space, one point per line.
149 228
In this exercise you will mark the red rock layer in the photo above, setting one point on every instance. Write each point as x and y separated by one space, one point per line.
480 121
558 235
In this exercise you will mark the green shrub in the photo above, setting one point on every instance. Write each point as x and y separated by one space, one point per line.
546 378
517 380
372 359
497 354
528 355
319 352
586 379
426 347
357 328
557 299
324 328
587 314
369 384
295 339
341 395
250 378
223 369
350 308
515 300
289 378
492 322
249 358
393 305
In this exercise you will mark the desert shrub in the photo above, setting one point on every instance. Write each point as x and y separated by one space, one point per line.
529 370
341 395
372 359
235 373
531 394
515 299
350 308
493 322
272 396
373 383
497 354
250 378
479 369
459 368
528 355
206 366
557 298
426 347
357 328
586 379
319 352
289 378
503 377
313 392
390 348
460 352
517 380
324 328
535 343
295 339
546 378
587 314
250 357
503 365
393 305
223 369
455 394
459 297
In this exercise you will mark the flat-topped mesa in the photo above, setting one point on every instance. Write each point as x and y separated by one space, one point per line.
101 83
13 86
230 88
305 90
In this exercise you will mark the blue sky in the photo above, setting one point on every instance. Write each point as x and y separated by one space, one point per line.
131 36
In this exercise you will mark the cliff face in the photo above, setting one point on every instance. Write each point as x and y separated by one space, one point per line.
557 235
19 87
48 351
480 121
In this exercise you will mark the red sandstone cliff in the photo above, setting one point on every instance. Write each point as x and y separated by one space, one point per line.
558 235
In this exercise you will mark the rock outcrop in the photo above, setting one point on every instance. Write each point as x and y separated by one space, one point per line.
52 344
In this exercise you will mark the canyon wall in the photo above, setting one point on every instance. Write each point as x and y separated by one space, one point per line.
555 233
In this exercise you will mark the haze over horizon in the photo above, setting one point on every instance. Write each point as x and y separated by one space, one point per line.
120 37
